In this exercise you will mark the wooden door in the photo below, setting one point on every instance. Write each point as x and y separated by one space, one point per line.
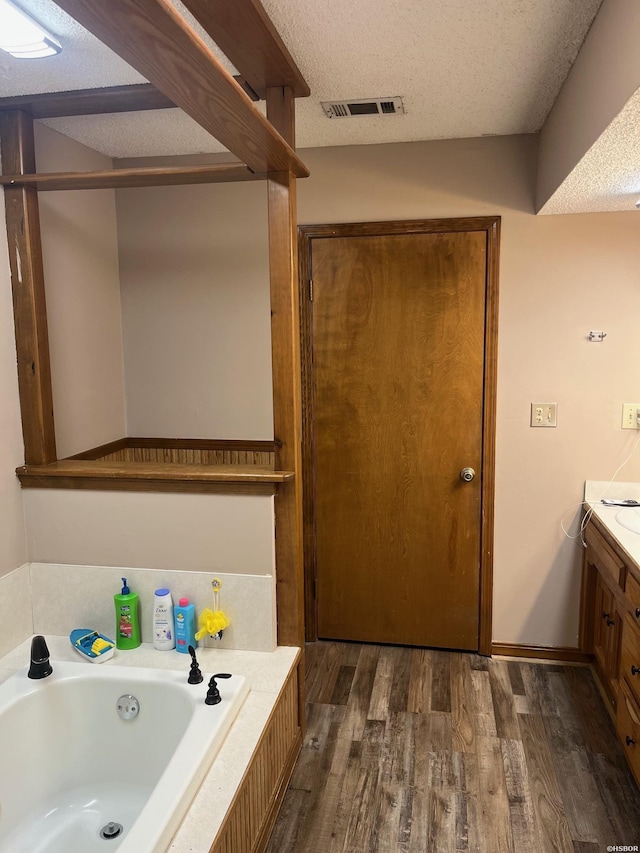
398 337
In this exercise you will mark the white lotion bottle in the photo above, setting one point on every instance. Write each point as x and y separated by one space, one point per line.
163 630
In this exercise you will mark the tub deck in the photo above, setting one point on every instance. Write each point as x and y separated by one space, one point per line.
213 805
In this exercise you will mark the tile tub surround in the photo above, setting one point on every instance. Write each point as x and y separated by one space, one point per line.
66 597
266 673
16 618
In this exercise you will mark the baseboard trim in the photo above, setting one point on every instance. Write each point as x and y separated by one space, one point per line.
564 653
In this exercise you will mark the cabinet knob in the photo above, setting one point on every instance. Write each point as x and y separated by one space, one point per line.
630 740
637 612
635 670
606 615
610 622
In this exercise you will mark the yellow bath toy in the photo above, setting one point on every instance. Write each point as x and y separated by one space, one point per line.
214 621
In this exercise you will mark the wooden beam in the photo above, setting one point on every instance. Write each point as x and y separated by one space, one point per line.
152 37
285 344
146 176
27 282
245 34
81 102
137 97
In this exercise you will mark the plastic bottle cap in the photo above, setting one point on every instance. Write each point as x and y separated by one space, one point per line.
125 588
162 591
183 602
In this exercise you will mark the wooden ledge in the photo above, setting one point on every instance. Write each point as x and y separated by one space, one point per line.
149 477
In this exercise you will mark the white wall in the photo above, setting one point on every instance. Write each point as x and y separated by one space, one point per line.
82 285
228 534
559 277
195 298
199 533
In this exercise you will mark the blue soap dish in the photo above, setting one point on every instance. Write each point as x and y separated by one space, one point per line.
91 645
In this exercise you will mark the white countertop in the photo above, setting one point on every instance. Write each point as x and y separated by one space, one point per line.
594 491
266 673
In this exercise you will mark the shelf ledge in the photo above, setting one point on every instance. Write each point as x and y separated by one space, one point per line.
151 477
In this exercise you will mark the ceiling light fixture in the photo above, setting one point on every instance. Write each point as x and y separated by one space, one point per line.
21 36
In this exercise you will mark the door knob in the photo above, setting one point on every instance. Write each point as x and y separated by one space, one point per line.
467 474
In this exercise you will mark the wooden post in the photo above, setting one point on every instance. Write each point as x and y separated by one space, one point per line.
27 281
285 342
281 112
287 406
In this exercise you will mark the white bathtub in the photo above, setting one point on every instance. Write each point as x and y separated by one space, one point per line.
69 764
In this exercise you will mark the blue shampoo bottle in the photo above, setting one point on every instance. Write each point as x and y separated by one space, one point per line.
185 625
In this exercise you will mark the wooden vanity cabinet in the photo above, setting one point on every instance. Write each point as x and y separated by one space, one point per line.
628 715
604 573
610 631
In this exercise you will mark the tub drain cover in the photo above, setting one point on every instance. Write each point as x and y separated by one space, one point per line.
111 830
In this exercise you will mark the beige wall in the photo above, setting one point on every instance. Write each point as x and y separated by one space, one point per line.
228 534
80 255
195 299
13 550
559 277
199 533
604 76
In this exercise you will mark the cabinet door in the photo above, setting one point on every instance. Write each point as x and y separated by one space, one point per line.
628 727
606 636
613 651
602 606
630 657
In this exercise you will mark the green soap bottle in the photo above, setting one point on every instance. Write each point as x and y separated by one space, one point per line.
127 618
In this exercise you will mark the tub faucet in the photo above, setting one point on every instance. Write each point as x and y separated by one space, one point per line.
213 694
40 666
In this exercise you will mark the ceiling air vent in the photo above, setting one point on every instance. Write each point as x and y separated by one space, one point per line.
364 107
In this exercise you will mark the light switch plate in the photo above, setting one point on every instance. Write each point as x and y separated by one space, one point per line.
544 414
630 415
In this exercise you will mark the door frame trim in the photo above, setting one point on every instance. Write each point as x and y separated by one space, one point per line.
306 233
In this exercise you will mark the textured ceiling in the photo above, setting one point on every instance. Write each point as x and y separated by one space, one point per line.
608 176
464 68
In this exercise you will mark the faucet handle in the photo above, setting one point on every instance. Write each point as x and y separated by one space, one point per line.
40 666
213 694
195 676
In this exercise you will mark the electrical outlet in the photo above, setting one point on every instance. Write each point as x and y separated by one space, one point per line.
630 412
544 414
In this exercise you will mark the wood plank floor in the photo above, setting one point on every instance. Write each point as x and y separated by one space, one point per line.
414 751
